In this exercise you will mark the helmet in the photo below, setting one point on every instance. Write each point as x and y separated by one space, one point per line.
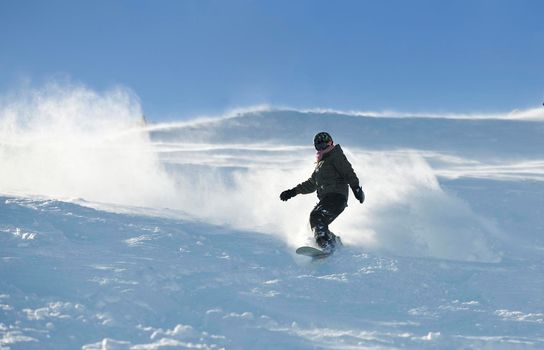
322 140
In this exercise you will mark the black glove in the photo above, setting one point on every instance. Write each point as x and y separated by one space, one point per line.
286 195
359 194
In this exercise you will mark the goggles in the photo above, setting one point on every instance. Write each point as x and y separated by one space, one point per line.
320 146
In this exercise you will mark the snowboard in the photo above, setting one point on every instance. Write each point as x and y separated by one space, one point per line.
312 252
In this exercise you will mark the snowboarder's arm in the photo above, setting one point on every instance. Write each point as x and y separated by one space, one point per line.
343 166
307 186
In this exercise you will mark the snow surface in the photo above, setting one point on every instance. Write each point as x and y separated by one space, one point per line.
119 235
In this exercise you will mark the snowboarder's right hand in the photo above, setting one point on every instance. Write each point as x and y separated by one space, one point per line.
286 195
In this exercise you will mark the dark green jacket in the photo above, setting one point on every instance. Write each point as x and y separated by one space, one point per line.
332 174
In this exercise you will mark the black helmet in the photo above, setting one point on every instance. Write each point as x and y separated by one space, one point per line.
322 140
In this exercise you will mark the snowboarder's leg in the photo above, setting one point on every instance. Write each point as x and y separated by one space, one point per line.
322 215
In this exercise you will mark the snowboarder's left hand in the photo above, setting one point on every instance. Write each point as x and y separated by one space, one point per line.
286 195
359 194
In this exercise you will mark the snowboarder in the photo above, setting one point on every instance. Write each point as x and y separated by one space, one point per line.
331 177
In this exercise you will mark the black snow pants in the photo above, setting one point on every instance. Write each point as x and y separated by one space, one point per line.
328 209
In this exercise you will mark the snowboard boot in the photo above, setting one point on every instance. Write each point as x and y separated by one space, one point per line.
328 242
337 240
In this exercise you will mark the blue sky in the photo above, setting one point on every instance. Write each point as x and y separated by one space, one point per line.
185 58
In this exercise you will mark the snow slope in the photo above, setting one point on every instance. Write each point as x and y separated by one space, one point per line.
75 277
120 235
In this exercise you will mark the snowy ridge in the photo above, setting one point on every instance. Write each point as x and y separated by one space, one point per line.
120 235
531 114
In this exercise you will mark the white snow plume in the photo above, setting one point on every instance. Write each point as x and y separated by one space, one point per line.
70 142
67 141
406 212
